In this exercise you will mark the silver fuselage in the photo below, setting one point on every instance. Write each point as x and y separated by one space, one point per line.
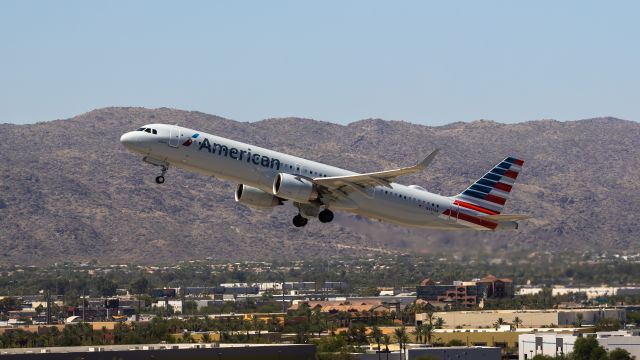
255 166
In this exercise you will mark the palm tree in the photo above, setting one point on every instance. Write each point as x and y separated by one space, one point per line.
517 322
498 323
418 333
402 337
439 323
386 340
376 335
427 331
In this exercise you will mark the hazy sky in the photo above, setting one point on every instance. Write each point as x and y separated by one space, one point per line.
430 62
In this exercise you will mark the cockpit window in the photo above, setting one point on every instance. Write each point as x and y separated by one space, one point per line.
141 129
147 130
155 132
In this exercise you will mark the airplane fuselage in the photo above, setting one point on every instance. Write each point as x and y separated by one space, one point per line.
241 163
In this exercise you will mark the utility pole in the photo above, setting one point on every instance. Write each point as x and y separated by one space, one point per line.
82 305
283 310
48 299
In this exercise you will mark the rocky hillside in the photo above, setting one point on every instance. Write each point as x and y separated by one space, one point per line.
70 192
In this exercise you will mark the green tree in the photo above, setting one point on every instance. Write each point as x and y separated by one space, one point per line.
386 340
607 324
402 338
139 286
587 348
543 357
376 335
456 342
619 354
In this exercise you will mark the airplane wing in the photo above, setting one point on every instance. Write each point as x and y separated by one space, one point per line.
360 182
504 217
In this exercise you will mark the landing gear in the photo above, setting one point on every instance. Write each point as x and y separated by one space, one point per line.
325 216
164 166
160 179
300 221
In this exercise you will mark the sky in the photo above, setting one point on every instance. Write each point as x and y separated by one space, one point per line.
427 62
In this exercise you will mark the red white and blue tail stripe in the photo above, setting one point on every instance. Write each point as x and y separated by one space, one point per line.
489 194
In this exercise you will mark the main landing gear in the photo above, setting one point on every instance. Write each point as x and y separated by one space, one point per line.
300 221
324 216
160 179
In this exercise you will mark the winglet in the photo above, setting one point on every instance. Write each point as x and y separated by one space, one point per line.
424 163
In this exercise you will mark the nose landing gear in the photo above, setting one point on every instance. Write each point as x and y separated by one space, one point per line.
160 179
164 166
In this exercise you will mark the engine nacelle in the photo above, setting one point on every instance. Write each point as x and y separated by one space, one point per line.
294 188
255 197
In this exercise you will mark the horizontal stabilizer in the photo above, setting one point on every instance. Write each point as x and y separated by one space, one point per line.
505 217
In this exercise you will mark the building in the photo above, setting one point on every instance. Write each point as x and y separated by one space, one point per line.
168 352
552 344
627 340
466 294
527 318
591 292
457 353
555 344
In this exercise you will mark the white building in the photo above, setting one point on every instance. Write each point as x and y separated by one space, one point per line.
627 340
176 305
592 292
554 344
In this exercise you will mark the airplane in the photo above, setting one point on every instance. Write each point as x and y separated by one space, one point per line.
268 178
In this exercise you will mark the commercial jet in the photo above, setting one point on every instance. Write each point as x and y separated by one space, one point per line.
267 178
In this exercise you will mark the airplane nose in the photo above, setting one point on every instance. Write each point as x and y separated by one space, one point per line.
127 139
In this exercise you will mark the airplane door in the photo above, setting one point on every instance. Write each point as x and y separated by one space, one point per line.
174 136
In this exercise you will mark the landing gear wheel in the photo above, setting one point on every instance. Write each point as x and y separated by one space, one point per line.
325 216
160 179
299 221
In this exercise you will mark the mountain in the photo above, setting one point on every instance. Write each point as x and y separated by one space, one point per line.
70 192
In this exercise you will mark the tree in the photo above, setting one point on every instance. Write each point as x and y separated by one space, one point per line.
543 357
402 338
587 348
607 324
619 354
579 319
439 323
456 342
386 340
105 287
427 331
517 322
418 333
139 285
376 335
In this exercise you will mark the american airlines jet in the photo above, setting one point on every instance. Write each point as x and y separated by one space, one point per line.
267 178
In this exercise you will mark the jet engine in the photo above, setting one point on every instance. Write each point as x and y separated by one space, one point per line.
294 188
255 197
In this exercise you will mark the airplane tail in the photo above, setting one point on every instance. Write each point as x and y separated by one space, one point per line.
489 194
